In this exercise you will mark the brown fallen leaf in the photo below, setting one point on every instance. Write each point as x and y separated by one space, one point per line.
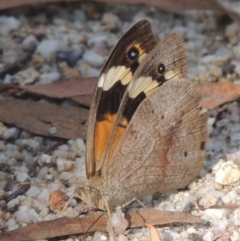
79 90
155 236
170 5
216 94
231 206
83 99
39 117
95 222
64 89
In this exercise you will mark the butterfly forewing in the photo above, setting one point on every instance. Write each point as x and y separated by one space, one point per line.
116 74
163 145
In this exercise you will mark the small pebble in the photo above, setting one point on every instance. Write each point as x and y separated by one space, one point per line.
49 78
48 48
53 130
11 133
8 24
228 174
93 58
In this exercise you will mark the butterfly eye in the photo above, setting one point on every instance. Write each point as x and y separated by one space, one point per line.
133 53
161 68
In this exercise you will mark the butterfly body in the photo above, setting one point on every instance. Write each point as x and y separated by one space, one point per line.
152 138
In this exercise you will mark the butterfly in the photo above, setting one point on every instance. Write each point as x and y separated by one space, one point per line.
146 130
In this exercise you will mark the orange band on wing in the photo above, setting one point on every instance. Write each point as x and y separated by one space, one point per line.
103 131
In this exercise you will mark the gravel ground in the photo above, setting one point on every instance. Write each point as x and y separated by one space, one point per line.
82 37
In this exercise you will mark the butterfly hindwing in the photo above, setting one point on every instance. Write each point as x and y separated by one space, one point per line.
163 146
116 74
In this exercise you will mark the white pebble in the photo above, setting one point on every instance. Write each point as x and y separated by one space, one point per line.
99 236
214 216
48 78
30 43
31 145
232 32
10 133
64 165
57 185
33 192
24 216
44 212
43 196
24 77
78 146
11 224
109 17
93 58
228 174
65 175
22 176
230 197
42 172
63 147
53 130
235 236
79 170
13 203
45 159
207 59
223 54
121 237
235 136
118 221
97 39
209 236
48 48
208 200
236 216
8 24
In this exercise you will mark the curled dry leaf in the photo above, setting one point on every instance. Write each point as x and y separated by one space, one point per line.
216 94
41 117
79 90
168 5
155 236
95 222
57 200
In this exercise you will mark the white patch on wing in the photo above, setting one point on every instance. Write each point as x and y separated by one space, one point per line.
172 74
101 81
115 74
141 84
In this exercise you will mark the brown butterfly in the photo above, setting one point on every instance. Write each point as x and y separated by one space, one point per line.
146 131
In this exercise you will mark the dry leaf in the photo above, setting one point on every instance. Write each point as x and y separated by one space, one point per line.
216 94
155 236
39 117
95 222
168 5
79 90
